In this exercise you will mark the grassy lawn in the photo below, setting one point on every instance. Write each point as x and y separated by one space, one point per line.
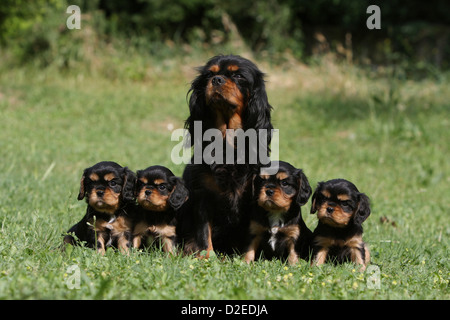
389 136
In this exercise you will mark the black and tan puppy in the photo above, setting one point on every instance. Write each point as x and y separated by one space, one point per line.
276 225
159 195
109 192
341 210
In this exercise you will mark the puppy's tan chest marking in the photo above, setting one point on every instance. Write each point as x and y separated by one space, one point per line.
327 242
119 225
355 244
162 230
291 231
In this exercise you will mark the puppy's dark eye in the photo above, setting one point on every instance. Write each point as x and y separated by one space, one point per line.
238 76
284 183
346 204
162 187
112 183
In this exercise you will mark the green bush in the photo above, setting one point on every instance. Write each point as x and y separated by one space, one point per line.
36 31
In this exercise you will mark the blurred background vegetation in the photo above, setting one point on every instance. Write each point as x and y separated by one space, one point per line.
414 34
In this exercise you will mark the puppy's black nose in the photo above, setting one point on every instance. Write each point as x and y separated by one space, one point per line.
330 209
100 193
218 81
148 192
269 192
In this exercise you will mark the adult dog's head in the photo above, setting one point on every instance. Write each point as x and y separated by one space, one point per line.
229 93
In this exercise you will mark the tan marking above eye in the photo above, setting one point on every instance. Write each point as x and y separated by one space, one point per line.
343 197
109 176
232 68
264 176
159 181
94 177
143 180
326 194
282 175
214 68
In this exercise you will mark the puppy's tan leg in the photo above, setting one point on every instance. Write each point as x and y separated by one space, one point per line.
167 244
357 257
320 257
101 244
293 257
251 252
137 240
138 232
123 244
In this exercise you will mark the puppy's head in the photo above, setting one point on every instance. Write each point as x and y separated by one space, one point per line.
338 203
107 185
276 193
229 93
157 189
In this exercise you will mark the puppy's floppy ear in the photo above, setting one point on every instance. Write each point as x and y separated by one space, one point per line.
129 183
304 191
82 191
363 210
179 194
136 185
314 198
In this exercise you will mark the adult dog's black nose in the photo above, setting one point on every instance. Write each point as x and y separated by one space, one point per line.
100 193
269 192
148 192
218 81
330 209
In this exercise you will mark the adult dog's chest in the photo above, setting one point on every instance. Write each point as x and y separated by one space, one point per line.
228 184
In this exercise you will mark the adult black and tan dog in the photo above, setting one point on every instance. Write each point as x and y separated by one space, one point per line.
228 94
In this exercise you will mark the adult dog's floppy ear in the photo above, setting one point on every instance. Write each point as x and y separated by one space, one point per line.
129 183
82 191
314 198
257 114
253 184
179 194
197 108
304 190
363 210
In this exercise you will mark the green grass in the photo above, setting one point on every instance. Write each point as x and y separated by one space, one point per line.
390 137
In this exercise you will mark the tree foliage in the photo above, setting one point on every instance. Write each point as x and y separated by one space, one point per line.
415 30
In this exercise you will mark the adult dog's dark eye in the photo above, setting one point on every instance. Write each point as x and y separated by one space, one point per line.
284 183
162 187
112 183
238 76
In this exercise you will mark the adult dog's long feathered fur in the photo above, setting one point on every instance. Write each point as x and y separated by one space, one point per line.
228 93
